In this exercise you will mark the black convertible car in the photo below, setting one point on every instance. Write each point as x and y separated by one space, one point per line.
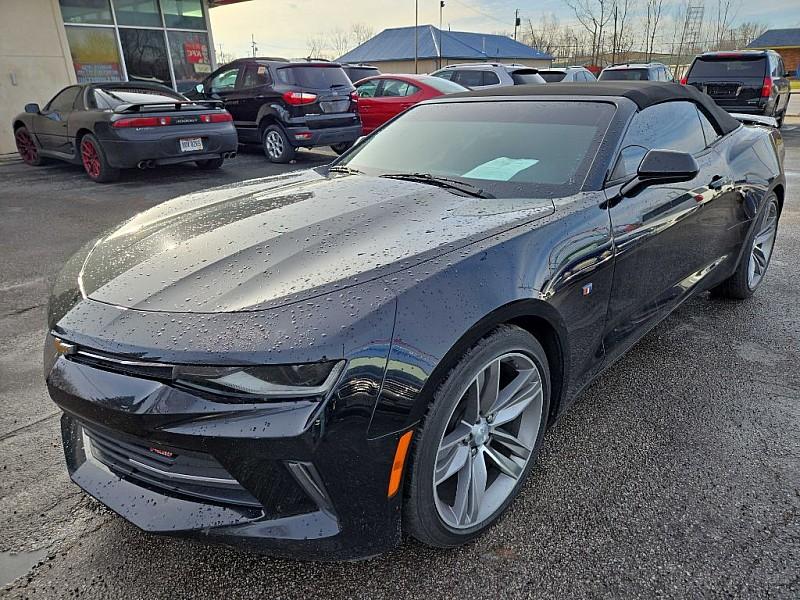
316 362
112 126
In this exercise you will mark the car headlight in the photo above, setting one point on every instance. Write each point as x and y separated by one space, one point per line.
272 381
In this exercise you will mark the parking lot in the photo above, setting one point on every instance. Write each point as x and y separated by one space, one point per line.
676 474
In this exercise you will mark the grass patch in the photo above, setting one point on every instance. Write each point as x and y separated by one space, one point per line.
795 84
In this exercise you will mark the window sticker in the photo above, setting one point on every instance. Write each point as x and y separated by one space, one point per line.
500 169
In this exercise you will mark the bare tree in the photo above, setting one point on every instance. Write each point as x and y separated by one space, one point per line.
545 35
622 42
593 15
723 19
748 31
360 33
339 41
654 10
316 47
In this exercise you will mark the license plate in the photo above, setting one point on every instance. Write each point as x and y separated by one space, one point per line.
191 144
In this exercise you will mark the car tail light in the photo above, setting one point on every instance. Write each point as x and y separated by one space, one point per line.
217 118
299 98
684 80
354 96
142 122
766 89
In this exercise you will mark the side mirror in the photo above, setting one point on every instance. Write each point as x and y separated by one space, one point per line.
662 166
199 88
32 108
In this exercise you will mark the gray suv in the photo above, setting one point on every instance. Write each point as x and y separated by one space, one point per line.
477 76
636 72
567 74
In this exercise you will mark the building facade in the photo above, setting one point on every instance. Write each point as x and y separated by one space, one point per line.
785 42
48 44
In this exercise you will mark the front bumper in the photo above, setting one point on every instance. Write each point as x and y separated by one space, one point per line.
294 479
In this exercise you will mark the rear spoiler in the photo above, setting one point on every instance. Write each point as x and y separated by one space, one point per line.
178 105
755 120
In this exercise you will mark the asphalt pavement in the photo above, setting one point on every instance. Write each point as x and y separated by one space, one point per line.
676 474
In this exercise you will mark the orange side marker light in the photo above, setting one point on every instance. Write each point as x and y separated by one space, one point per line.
399 461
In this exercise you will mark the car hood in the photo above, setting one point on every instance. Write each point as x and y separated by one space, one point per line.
268 242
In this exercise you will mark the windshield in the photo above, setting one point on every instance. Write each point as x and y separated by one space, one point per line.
728 68
507 148
358 73
111 98
552 76
624 75
315 77
523 77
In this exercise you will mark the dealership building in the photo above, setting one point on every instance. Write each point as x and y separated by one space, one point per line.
48 44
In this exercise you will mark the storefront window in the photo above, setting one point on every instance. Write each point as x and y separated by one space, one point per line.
137 12
183 14
191 59
94 54
86 11
145 55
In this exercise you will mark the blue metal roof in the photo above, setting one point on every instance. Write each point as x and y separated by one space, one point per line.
777 38
398 44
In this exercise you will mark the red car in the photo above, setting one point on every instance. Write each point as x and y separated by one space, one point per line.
383 96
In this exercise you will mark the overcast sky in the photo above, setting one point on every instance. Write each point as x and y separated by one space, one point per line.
282 27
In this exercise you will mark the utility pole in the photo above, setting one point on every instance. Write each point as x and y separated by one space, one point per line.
441 8
614 44
516 23
416 36
253 45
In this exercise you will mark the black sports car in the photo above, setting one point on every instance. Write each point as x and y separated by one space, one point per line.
111 126
316 362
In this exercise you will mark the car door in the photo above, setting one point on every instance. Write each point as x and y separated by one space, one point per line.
52 121
394 97
661 250
222 84
251 91
367 108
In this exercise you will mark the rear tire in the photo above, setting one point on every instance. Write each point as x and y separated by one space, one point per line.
26 147
209 164
95 162
342 148
276 145
480 432
753 266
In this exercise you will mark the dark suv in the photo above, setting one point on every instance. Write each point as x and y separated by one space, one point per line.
746 81
286 105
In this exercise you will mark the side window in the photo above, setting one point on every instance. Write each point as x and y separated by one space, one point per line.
224 81
668 75
469 78
64 100
395 88
589 76
781 68
490 78
368 89
708 129
666 126
445 75
255 76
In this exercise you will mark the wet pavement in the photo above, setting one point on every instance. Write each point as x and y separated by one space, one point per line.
676 474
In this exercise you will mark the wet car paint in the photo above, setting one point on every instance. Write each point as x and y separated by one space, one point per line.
398 321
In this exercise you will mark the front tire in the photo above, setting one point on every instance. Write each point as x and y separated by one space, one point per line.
209 164
276 145
752 267
342 148
28 151
95 162
479 440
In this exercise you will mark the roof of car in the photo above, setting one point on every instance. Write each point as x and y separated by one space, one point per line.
632 66
735 53
641 93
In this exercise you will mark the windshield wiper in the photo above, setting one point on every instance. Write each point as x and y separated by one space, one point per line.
343 169
442 182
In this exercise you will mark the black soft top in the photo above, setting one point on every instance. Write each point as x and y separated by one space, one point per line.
642 93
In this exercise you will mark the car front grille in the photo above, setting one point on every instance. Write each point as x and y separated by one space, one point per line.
334 106
170 470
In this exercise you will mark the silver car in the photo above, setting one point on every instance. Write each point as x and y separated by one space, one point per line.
478 76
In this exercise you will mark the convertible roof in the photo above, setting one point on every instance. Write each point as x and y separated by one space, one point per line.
642 93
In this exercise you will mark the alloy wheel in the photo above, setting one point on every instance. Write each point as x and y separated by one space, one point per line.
274 144
90 158
763 243
26 146
488 441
